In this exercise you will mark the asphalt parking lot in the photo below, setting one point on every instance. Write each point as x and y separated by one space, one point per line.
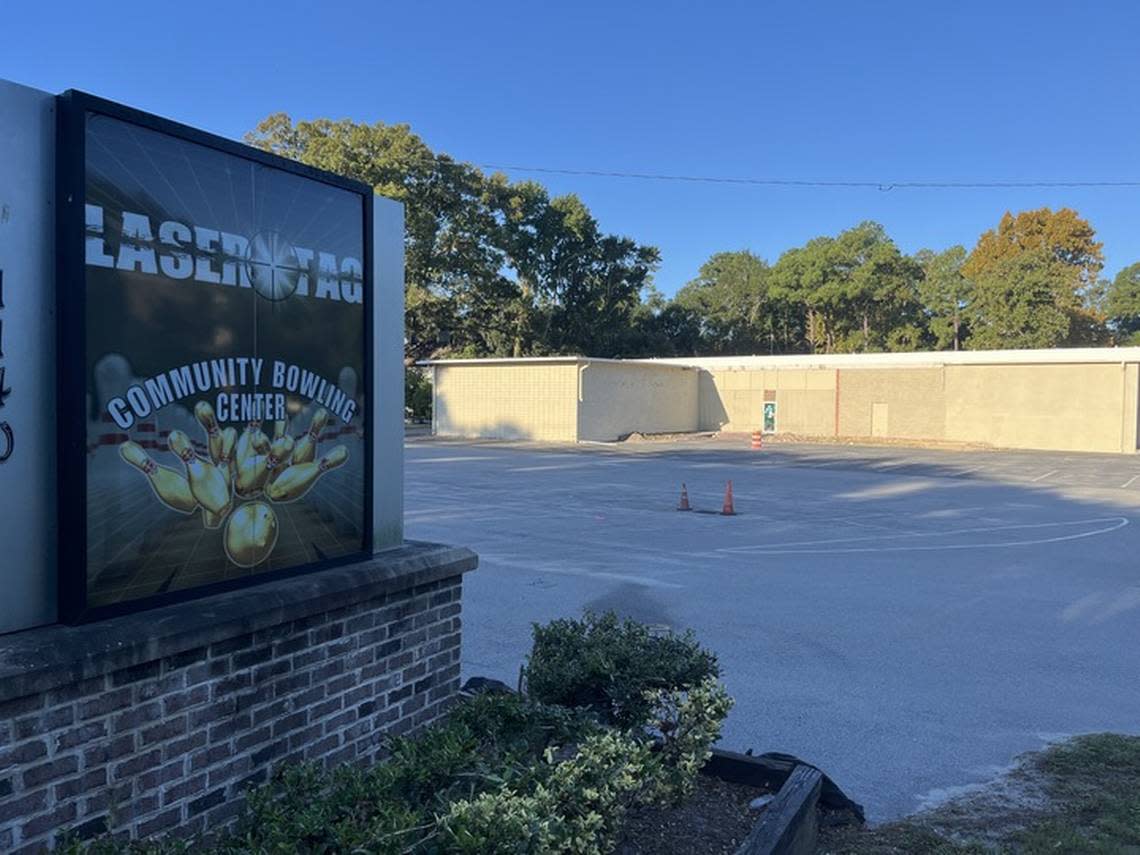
908 619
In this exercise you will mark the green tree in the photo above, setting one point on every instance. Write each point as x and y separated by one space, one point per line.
676 332
945 294
452 268
877 306
584 286
1067 243
491 268
731 301
1019 303
856 292
1122 304
801 278
659 327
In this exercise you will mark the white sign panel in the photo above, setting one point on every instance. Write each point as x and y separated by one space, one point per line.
27 359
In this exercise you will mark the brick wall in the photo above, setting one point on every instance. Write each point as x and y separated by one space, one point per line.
169 744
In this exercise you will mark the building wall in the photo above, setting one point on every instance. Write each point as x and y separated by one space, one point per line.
1077 406
906 403
618 399
1130 413
503 401
1061 407
733 400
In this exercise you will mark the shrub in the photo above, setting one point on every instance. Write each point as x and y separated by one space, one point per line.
504 773
686 724
417 395
577 809
608 666
71 845
308 809
489 743
579 806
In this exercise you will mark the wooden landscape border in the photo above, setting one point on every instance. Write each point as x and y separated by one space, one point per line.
789 824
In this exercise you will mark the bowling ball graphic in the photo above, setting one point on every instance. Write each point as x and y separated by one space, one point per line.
273 267
251 534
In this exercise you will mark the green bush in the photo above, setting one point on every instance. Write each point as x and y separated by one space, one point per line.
503 773
607 665
306 809
417 395
686 724
578 808
69 845
488 743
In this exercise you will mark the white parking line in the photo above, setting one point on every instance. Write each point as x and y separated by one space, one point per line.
444 459
551 466
839 545
1129 481
1046 475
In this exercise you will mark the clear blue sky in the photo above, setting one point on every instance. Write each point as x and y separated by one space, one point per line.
881 91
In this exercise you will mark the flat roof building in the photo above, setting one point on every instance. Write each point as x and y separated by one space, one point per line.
1076 399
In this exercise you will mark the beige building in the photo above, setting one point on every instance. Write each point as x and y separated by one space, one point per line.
562 398
1080 399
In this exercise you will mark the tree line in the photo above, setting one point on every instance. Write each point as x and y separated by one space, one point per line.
501 268
1032 281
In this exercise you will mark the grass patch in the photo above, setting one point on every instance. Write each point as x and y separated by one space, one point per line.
1092 807
897 838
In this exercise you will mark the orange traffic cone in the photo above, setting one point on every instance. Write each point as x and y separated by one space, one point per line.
757 438
684 504
728 510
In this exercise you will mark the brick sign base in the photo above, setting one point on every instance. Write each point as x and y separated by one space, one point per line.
157 722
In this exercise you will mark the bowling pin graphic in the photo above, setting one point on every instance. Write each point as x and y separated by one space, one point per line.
278 458
279 427
252 441
207 483
255 471
306 449
169 487
204 413
299 478
226 467
226 464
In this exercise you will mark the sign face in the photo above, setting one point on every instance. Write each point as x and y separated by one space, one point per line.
215 345
769 417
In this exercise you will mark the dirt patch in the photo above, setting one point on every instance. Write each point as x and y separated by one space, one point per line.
713 821
637 436
995 811
975 819
1079 796
802 439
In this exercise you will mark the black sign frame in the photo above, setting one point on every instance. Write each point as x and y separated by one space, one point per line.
73 108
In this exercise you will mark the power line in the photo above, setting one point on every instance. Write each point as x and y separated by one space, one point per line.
446 161
839 184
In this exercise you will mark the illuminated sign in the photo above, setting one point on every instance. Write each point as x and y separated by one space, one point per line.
215 343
